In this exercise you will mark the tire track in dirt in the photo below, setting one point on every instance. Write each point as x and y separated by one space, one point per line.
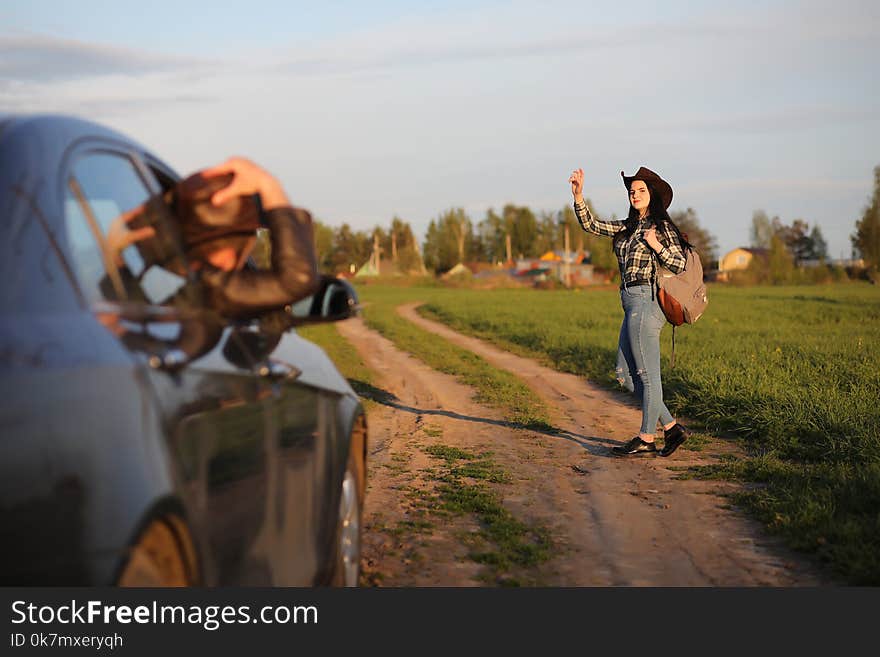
619 522
418 407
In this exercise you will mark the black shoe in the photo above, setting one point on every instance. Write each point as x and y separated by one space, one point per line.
673 439
636 446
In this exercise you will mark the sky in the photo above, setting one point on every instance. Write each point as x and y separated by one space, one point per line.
366 110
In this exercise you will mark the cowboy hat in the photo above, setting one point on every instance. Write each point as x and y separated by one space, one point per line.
184 217
201 221
657 184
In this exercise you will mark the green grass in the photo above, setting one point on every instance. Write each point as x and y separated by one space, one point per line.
830 509
793 371
504 544
343 354
494 387
479 467
798 373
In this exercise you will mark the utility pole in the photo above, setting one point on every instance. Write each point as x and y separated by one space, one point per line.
418 249
458 227
376 256
509 258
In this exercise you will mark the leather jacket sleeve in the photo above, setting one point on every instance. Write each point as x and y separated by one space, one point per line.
293 274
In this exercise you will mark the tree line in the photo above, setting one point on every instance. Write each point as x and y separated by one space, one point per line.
516 231
787 249
344 250
781 253
801 242
866 238
453 237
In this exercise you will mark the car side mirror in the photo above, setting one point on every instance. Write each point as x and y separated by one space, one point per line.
334 300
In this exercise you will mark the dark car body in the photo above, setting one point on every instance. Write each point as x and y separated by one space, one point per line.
242 451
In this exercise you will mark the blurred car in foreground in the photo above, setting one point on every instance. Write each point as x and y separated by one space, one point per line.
123 461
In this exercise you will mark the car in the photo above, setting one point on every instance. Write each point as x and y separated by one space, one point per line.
126 459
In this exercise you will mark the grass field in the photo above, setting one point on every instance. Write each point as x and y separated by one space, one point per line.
794 372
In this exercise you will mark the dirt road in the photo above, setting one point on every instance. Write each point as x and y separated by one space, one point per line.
614 522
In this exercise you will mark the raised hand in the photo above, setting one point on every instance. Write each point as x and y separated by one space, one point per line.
120 236
248 178
577 183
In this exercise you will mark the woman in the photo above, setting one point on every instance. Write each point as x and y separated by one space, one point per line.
233 198
646 237
215 213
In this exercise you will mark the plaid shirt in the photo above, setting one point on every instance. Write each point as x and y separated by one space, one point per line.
635 257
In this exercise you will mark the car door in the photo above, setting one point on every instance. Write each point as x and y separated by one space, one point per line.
306 458
214 410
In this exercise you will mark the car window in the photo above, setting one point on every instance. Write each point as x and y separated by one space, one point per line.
102 188
33 276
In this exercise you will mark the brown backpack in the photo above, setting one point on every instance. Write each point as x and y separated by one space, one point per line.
683 297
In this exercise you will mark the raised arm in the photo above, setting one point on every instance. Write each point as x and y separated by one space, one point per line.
293 274
588 222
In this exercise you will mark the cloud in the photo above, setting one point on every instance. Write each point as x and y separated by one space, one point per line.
37 58
482 34
105 108
437 44
41 73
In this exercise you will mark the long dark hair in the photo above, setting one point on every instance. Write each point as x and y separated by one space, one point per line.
657 216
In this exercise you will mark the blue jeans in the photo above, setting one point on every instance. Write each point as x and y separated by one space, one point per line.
638 354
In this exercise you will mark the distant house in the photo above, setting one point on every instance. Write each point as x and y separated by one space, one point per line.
368 269
531 267
738 259
385 268
460 270
553 264
573 257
